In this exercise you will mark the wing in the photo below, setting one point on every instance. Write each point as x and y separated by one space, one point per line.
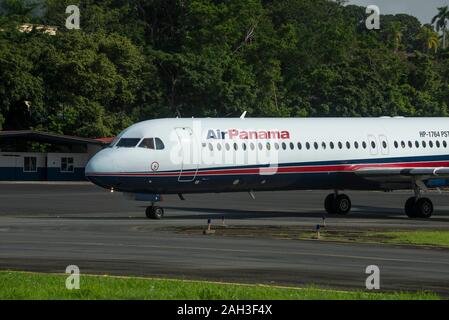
396 177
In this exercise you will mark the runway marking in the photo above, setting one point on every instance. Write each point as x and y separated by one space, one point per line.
99 244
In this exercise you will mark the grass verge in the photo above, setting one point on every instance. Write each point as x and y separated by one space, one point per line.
431 238
31 286
410 237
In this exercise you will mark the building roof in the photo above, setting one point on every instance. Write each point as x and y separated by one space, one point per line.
49 137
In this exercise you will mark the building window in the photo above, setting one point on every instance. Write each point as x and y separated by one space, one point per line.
29 164
67 165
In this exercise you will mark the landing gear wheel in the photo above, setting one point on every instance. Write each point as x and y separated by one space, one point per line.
424 208
418 208
342 204
154 212
410 207
329 204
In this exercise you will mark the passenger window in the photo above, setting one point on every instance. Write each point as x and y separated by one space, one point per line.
396 145
244 146
437 143
268 146
348 145
410 144
315 145
128 142
292 146
284 146
308 146
445 144
356 145
431 144
147 143
236 147
424 144
219 146
332 145
416 144
211 147
402 144
340 145
252 146
323 145
364 145
299 146
373 145
276 146
260 146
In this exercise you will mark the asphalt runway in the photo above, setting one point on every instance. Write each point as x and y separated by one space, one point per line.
48 227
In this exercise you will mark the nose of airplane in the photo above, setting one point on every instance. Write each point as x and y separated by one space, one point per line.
99 167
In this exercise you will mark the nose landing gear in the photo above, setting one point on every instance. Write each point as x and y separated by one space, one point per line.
154 212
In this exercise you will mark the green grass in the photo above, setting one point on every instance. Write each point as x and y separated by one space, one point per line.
432 238
22 285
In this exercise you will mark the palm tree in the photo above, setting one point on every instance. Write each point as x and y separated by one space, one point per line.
429 38
441 20
394 34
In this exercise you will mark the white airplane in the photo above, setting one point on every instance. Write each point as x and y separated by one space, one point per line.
181 156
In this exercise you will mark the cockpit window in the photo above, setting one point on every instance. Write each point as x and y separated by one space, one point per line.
159 144
152 143
147 143
127 142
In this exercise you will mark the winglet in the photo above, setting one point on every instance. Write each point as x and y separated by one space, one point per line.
243 115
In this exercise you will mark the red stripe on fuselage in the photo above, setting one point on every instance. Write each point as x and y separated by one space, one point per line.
282 170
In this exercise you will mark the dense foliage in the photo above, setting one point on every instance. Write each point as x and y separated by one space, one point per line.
141 59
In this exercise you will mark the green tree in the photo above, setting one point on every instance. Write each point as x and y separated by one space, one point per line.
428 38
441 20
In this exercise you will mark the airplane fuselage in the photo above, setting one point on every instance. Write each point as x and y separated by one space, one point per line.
180 156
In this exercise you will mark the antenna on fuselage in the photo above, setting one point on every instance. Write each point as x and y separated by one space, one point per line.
243 115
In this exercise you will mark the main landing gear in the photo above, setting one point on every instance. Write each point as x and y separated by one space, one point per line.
418 207
337 204
154 212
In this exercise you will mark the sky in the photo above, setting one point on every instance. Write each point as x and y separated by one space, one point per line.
424 10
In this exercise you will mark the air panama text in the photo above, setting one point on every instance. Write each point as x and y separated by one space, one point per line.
246 134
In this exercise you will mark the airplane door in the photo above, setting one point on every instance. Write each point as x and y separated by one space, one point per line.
384 144
189 154
372 141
